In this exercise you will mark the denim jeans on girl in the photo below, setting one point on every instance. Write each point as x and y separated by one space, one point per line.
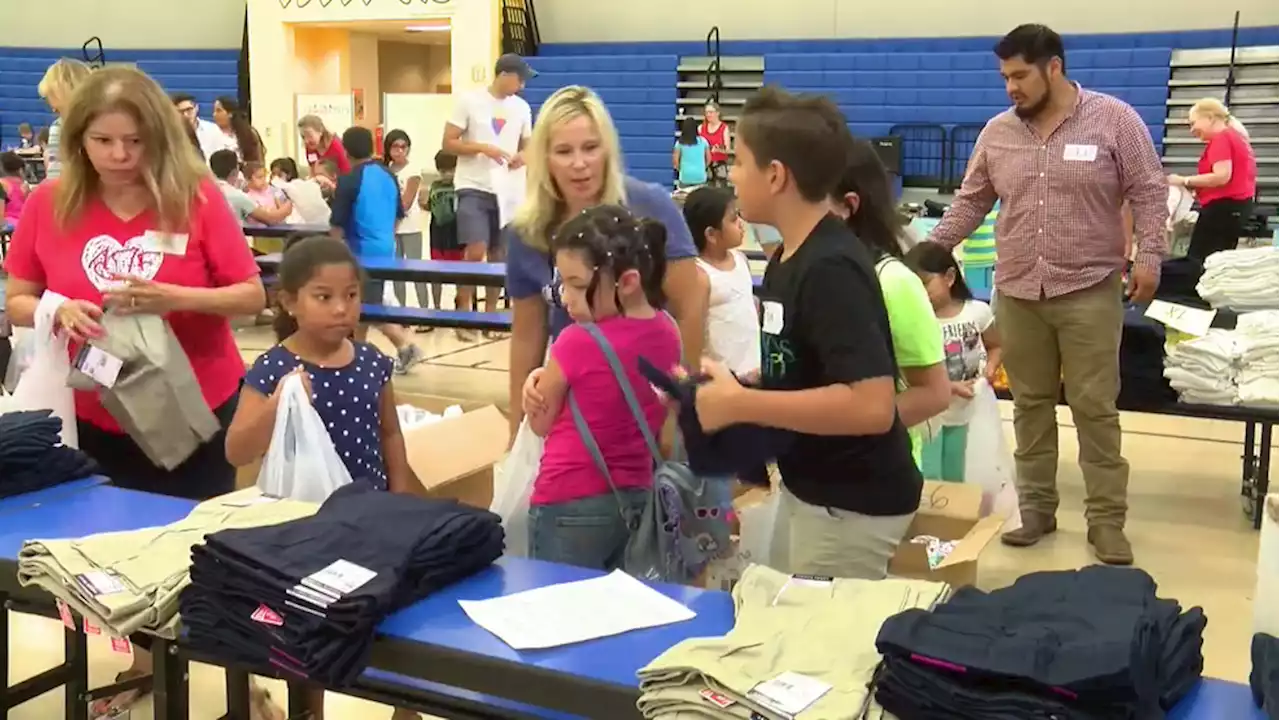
589 532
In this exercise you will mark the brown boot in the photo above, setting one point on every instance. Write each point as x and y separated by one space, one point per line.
1110 545
1034 527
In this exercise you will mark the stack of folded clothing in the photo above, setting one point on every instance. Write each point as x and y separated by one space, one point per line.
127 582
1264 676
1242 279
305 596
32 456
1091 643
1206 370
1260 362
791 636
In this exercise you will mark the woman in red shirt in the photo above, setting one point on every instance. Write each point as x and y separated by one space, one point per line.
136 224
716 133
322 144
1226 182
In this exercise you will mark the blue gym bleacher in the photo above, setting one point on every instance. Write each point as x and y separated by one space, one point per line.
640 91
205 74
935 93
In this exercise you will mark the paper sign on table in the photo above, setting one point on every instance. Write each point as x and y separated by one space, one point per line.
573 612
1192 321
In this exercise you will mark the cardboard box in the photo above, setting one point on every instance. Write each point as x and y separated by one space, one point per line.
948 511
453 458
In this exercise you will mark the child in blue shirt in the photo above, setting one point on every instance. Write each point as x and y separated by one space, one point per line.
349 382
366 209
691 155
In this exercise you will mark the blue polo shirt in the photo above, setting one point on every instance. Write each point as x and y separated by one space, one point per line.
366 205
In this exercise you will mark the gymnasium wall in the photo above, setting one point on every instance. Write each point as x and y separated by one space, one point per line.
576 21
123 24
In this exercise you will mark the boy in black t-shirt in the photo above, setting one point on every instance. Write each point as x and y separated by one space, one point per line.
850 486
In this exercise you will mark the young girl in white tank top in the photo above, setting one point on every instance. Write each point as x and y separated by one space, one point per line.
733 327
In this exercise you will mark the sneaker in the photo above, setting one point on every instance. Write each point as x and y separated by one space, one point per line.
407 357
1110 545
467 336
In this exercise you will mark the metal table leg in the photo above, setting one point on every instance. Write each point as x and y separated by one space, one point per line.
1262 481
170 683
75 650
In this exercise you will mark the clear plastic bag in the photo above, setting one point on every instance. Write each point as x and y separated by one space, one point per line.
513 484
301 463
42 385
988 461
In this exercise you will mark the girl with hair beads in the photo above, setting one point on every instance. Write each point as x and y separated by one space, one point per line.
349 382
971 347
611 267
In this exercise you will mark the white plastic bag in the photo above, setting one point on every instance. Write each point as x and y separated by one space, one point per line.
301 463
988 462
513 484
43 384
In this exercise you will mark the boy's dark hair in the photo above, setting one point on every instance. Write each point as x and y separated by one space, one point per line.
876 220
358 142
932 258
446 162
12 163
302 255
224 164
181 97
285 166
807 134
704 210
1034 43
615 240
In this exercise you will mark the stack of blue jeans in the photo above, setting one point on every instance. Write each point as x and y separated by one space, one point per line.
306 596
32 456
1094 643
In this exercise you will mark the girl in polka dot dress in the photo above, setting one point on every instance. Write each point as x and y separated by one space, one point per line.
349 382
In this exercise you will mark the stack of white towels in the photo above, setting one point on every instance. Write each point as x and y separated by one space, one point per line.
1260 360
1206 370
1242 279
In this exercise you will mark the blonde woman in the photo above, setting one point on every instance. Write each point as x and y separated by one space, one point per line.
135 223
574 163
56 87
1226 179
322 145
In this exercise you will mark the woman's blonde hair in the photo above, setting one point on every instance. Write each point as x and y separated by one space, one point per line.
61 79
543 204
313 122
172 171
1213 109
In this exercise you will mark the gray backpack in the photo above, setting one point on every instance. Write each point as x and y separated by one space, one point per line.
685 523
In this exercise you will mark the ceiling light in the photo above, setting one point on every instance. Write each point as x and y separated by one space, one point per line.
426 28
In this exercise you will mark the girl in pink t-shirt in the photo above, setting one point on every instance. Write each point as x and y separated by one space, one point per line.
609 268
14 186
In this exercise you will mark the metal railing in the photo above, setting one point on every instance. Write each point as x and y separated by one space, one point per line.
714 82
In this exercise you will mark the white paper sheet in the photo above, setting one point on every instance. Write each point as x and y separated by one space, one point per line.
573 612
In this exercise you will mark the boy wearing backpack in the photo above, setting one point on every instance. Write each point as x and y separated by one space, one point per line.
442 204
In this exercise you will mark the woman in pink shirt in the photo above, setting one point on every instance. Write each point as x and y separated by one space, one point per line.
611 267
13 187
322 145
1226 182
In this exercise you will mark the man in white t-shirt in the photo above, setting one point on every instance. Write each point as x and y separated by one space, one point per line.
487 132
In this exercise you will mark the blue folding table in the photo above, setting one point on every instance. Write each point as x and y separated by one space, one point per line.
430 655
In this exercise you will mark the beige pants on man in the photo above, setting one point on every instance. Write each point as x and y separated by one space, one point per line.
1072 342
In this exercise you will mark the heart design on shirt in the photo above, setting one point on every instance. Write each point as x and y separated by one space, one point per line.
104 257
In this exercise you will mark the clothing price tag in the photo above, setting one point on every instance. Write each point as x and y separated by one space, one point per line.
1080 153
121 645
340 578
789 693
315 597
97 582
718 699
267 616
102 366
1189 320
64 613
91 629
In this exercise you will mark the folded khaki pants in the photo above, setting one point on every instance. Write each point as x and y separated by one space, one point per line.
823 630
142 570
